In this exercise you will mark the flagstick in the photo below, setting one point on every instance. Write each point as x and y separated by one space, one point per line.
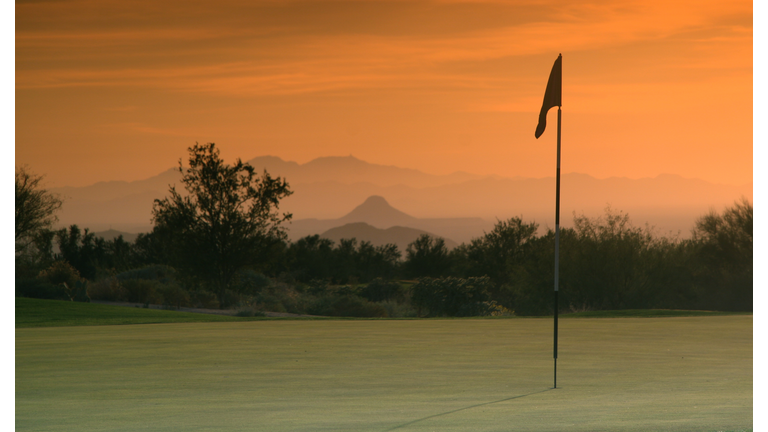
557 234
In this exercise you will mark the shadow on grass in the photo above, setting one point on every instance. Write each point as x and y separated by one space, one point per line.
465 408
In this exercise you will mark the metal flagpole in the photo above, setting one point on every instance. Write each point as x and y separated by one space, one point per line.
557 235
553 98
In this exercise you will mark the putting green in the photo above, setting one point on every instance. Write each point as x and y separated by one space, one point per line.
692 373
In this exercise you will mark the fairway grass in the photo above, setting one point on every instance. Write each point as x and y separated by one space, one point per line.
55 313
675 374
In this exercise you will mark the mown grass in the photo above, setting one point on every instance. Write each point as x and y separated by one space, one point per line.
629 374
648 313
55 313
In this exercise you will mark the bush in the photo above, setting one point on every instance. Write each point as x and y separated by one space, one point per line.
380 290
107 289
203 299
142 291
318 287
347 306
78 292
60 272
447 296
173 295
160 273
40 289
270 302
250 282
229 298
484 308
398 310
249 312
282 297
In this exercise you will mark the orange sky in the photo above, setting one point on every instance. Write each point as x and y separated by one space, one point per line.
116 90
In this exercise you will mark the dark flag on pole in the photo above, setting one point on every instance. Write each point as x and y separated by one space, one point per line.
553 96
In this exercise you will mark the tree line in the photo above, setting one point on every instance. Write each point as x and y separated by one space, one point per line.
221 242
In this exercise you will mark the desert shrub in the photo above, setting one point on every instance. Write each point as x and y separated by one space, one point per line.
249 312
282 297
78 292
203 299
293 300
484 308
398 310
229 298
173 295
343 290
107 289
250 282
380 290
446 296
142 291
318 287
60 272
40 289
160 273
347 306
270 302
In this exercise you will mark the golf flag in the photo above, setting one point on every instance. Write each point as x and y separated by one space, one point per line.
553 96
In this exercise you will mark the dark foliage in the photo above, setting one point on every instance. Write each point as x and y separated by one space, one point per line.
724 258
426 257
226 221
35 207
382 290
449 296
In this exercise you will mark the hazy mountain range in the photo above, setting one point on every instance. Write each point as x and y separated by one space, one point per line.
379 223
330 188
400 236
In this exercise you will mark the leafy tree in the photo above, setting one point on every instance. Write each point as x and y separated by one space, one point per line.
603 262
353 263
311 258
427 257
81 250
376 261
225 221
450 296
725 257
35 207
499 252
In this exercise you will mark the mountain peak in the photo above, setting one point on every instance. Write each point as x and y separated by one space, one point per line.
376 211
376 200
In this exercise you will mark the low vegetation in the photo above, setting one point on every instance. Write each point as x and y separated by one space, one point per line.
222 245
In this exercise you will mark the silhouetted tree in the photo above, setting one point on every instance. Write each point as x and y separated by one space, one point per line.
725 257
497 253
35 207
80 250
602 262
311 258
450 296
426 257
228 215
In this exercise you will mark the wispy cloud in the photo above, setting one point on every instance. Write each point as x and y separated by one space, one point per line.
296 56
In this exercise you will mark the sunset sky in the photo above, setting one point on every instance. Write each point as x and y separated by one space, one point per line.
116 90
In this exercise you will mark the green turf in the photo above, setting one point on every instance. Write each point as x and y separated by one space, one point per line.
649 313
629 374
55 313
